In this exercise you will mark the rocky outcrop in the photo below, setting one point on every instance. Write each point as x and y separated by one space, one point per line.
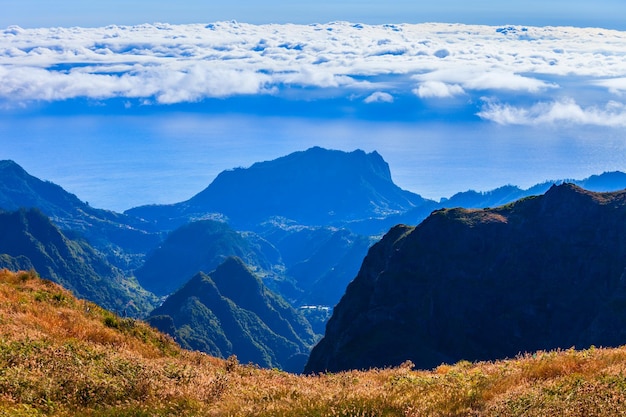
545 272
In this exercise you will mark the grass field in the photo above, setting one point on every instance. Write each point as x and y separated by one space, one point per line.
60 356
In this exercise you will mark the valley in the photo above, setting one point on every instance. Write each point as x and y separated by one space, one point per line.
299 228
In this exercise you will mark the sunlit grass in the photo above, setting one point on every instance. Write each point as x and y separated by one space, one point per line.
60 356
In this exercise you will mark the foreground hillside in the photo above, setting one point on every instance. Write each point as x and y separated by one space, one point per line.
60 356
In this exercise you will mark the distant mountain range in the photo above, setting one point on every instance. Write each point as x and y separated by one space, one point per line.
542 273
301 223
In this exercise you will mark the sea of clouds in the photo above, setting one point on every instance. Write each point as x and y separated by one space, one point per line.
511 75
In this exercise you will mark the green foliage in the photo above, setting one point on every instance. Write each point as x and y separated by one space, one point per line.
231 312
30 241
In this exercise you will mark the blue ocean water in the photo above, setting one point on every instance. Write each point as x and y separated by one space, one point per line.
121 161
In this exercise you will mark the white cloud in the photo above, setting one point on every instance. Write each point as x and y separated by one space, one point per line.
614 85
180 63
499 80
476 78
567 111
379 97
438 89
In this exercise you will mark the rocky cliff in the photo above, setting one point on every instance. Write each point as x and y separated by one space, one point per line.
544 272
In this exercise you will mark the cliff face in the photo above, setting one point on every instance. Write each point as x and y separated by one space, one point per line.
542 273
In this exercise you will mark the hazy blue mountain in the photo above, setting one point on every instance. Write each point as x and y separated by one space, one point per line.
320 261
608 181
312 187
230 312
305 265
545 272
113 233
201 246
28 239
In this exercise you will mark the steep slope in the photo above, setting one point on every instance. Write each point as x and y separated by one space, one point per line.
29 240
60 356
545 272
320 261
313 187
106 230
229 312
201 246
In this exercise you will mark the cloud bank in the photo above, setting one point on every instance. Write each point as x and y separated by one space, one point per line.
552 68
612 114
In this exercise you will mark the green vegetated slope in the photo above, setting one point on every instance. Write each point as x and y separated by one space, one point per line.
230 311
124 239
542 273
28 239
201 246
60 356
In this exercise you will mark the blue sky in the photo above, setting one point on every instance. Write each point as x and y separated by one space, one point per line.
46 13
123 113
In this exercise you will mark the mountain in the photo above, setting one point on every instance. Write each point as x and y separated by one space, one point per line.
542 273
607 181
318 261
313 187
108 231
201 246
29 240
230 311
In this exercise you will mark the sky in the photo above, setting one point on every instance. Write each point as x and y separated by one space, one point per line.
149 105
44 13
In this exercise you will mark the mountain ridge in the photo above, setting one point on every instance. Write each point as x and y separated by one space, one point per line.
211 313
29 240
106 230
541 273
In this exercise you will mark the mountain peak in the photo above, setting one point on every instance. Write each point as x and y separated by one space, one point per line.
542 273
8 166
229 311
313 187
232 275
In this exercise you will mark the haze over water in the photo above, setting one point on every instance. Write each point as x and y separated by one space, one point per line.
129 115
118 162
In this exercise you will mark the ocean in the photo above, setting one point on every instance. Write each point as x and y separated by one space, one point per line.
117 162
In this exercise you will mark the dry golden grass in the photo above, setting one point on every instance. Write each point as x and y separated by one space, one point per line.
63 357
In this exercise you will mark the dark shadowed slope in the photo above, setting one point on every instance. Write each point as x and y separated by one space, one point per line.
542 273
